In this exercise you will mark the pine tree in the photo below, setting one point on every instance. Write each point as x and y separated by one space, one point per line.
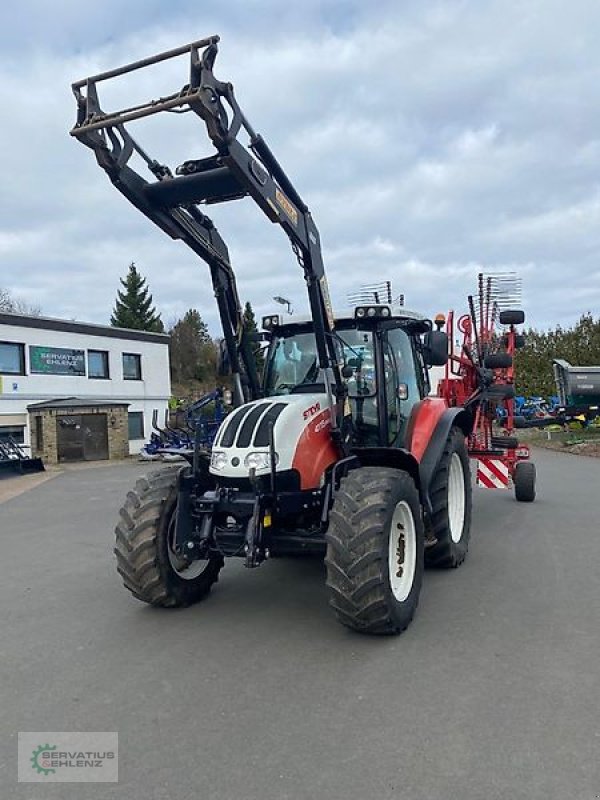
194 320
249 318
250 327
133 306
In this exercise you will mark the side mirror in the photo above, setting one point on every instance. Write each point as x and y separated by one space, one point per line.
402 391
223 365
435 348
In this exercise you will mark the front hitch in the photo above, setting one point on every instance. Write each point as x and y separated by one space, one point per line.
191 541
256 545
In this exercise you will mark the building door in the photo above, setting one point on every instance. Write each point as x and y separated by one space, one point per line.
95 439
82 437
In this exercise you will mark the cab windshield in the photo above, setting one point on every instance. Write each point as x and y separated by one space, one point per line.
293 363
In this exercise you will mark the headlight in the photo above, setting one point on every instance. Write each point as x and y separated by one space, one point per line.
218 460
259 460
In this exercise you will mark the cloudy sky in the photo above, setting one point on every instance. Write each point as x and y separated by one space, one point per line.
430 139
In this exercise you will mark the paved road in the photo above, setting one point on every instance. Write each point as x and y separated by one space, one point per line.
492 693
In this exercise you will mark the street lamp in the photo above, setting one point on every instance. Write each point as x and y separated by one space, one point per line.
282 301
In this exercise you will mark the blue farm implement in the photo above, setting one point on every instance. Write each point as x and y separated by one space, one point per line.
196 425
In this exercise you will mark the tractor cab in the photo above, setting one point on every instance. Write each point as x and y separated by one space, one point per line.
382 355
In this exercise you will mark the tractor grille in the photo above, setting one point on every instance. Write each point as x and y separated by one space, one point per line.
250 425
231 428
262 432
247 429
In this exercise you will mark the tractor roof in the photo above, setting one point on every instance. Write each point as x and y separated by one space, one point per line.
417 322
397 312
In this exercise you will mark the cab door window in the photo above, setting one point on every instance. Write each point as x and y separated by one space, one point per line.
392 399
404 385
358 354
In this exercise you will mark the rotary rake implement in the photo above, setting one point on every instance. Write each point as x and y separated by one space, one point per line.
480 375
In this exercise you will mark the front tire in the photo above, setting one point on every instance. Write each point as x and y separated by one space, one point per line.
146 561
374 554
452 502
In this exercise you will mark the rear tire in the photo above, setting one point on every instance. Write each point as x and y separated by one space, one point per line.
525 482
498 361
451 499
146 562
375 551
515 317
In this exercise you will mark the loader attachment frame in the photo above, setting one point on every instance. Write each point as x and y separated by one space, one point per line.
235 170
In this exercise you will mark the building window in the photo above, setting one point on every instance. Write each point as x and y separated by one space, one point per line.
132 367
39 434
12 358
136 424
98 364
15 432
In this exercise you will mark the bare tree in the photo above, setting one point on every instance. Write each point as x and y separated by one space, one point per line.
15 305
5 300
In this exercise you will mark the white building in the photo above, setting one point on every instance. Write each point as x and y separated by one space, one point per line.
44 359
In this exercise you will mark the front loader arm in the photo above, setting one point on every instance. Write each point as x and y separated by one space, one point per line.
171 200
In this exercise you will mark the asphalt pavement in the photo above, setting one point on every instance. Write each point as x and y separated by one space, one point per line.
493 693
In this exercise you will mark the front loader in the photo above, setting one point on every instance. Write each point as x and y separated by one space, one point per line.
338 450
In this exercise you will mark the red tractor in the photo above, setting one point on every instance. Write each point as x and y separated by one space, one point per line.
338 449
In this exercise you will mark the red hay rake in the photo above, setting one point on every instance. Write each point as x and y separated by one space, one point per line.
480 376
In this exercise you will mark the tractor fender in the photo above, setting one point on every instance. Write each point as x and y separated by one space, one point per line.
394 457
449 418
431 420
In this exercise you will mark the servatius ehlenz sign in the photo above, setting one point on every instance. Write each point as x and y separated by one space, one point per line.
56 361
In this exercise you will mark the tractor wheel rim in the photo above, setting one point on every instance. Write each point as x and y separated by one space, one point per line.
456 498
402 556
186 570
